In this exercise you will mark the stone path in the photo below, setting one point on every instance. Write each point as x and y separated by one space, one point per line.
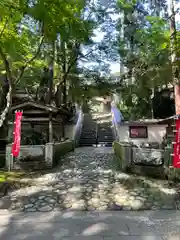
87 180
73 225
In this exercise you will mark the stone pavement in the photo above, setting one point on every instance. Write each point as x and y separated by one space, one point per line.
69 225
87 180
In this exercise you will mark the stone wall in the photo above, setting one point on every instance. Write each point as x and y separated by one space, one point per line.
154 165
60 149
155 133
30 157
38 157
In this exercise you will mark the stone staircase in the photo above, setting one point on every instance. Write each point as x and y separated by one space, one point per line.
96 130
104 134
89 130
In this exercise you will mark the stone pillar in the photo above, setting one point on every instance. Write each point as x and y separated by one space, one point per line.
126 155
9 158
49 154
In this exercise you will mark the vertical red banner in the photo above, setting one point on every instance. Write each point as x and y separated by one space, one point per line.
176 155
17 135
177 98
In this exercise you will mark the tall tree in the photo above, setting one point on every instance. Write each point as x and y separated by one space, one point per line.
145 53
27 33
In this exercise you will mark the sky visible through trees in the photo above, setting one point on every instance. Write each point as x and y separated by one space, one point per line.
114 66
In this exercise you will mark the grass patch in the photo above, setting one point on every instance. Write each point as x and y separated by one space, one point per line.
13 176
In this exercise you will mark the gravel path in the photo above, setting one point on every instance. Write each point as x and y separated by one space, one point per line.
87 180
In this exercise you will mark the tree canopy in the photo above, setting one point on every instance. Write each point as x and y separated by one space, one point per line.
49 46
143 44
36 36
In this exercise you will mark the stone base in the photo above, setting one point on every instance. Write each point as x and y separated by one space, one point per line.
31 165
38 157
150 171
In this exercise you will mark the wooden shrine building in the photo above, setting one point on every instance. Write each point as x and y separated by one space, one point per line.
40 123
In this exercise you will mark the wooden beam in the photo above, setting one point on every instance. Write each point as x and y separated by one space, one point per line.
34 112
39 120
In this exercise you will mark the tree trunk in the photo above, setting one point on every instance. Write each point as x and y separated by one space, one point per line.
10 83
50 87
64 49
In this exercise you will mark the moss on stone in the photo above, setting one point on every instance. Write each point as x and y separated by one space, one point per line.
118 154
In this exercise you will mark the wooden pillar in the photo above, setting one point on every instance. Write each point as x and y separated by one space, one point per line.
63 129
50 128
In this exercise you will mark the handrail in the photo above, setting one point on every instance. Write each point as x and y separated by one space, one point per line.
115 126
96 132
78 127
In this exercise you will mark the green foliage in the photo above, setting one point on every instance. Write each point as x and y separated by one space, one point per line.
29 29
145 51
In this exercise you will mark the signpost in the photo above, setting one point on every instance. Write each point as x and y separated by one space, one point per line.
17 136
176 154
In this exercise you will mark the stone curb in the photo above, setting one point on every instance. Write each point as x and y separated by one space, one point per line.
3 189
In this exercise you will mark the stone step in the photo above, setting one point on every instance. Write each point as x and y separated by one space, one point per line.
105 125
88 131
105 130
105 140
107 144
88 134
89 124
105 134
87 138
105 137
83 140
86 144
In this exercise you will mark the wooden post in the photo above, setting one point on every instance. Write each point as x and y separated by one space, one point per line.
50 127
63 129
11 158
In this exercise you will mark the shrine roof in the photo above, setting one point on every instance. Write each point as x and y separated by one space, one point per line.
34 107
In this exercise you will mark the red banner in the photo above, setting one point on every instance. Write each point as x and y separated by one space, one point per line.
17 135
177 98
176 158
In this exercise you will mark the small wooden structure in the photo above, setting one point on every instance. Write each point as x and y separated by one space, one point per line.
43 119
42 136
